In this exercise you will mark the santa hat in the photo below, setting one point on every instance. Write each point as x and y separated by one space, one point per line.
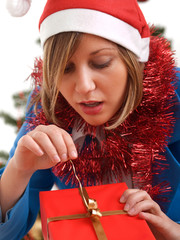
120 21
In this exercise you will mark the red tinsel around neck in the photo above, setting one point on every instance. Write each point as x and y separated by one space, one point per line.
136 146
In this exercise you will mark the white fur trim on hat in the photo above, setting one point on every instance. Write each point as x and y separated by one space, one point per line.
18 8
90 21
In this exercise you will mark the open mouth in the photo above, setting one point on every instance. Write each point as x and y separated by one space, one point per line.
91 104
91 108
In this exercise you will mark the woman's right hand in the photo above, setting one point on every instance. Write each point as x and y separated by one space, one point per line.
43 148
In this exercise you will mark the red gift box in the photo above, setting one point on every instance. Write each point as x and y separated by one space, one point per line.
69 202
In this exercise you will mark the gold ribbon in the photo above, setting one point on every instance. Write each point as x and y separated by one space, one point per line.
93 212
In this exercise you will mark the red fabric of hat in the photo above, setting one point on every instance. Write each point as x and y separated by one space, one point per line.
117 20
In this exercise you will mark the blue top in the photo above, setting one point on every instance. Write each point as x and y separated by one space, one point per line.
21 217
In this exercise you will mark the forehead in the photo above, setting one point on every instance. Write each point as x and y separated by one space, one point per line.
95 43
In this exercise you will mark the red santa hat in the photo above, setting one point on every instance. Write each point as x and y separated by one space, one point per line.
117 20
120 21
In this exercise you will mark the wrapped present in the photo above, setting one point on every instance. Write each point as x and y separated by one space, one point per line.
65 215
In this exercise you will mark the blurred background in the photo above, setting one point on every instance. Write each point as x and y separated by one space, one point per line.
19 47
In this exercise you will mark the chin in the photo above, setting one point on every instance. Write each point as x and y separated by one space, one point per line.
94 123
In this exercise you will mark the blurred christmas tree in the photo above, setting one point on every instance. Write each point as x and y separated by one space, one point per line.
20 100
158 31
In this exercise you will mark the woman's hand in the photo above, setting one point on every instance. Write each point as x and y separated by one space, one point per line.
138 202
43 148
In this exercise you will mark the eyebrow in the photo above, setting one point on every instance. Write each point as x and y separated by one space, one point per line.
102 49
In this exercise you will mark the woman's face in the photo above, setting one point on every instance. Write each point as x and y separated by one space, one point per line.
95 80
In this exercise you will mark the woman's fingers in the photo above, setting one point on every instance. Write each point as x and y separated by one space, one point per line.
143 206
44 147
43 140
27 142
56 142
71 149
132 196
137 201
62 141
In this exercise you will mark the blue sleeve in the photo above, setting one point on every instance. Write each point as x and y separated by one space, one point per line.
22 216
172 174
173 156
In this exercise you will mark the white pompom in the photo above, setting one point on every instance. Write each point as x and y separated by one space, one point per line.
18 8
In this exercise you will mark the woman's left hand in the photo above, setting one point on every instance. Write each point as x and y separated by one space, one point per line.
139 202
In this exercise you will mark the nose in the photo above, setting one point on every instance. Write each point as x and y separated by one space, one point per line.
84 81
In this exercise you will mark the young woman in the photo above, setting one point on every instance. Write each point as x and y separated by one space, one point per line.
104 98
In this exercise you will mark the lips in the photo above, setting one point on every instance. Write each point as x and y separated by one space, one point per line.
91 107
91 104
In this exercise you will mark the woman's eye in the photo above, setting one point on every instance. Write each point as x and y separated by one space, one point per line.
102 65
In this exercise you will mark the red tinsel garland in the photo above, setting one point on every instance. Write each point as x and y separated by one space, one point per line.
136 146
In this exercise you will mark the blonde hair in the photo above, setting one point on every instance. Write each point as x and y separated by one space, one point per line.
134 88
58 50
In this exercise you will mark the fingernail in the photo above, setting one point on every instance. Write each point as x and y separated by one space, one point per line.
126 208
56 158
64 157
131 211
73 154
40 152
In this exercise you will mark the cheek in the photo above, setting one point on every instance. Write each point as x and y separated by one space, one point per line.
119 83
67 95
65 90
